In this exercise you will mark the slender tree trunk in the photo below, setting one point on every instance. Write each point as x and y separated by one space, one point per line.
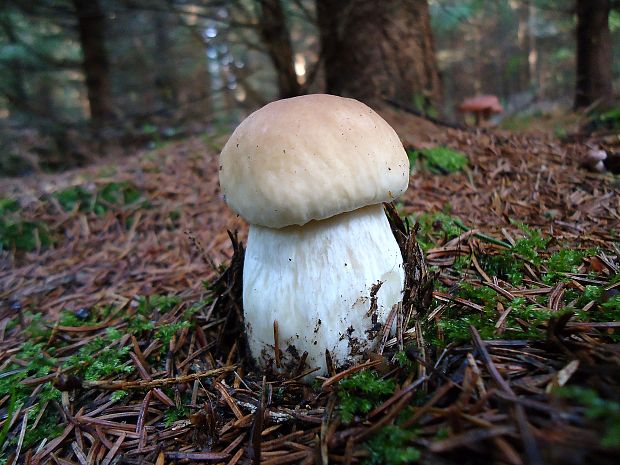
478 60
594 76
532 57
91 25
523 40
275 35
228 95
15 72
165 78
378 49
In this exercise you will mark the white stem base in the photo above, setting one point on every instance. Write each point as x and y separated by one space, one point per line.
315 281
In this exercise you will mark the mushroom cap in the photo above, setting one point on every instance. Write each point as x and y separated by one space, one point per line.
594 155
310 158
481 103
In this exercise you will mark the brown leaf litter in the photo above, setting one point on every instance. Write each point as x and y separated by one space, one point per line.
482 400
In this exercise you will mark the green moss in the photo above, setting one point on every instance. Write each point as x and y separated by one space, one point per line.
436 228
404 361
605 412
610 310
113 334
442 433
19 234
73 197
118 395
531 245
461 263
609 119
455 326
48 428
456 320
174 215
509 264
119 193
563 261
175 414
82 317
361 392
504 266
439 160
482 295
8 206
39 364
163 303
390 447
36 327
96 361
100 201
139 323
11 407
605 308
167 331
101 358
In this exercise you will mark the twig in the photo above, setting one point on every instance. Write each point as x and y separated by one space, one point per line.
124 385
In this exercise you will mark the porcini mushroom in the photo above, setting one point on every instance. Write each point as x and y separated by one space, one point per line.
310 175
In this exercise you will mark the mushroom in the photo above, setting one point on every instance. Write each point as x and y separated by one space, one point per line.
481 106
595 160
310 175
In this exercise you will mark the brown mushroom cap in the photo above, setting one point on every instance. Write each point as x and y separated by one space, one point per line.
481 103
309 158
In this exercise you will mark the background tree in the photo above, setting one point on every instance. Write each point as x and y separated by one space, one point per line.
594 56
375 50
161 69
91 32
275 35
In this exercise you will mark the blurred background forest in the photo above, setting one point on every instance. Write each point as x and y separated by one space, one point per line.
82 78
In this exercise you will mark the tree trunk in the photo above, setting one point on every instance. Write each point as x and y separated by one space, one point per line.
378 49
532 56
16 78
522 76
275 35
594 76
91 25
165 70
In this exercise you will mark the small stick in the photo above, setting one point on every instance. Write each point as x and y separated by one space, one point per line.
276 344
329 361
529 442
197 456
141 419
123 385
349 371
257 427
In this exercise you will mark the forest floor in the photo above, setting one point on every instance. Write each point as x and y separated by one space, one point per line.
120 317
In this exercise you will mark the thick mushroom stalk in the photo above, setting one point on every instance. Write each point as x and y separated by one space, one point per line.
316 281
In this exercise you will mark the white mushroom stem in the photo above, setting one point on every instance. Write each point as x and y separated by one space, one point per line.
315 281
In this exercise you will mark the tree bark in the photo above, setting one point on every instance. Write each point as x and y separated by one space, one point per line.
378 49
91 24
594 73
165 71
275 35
16 78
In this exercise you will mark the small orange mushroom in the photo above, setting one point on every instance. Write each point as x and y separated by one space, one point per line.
481 106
